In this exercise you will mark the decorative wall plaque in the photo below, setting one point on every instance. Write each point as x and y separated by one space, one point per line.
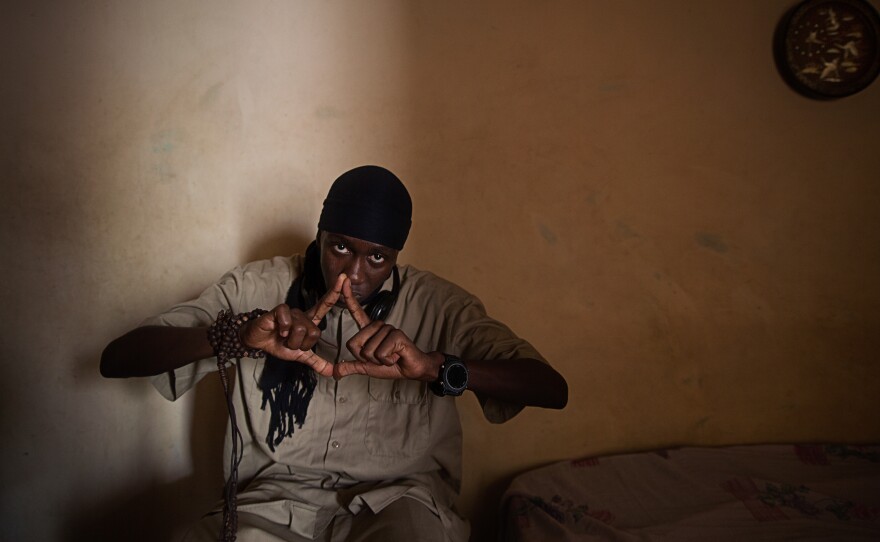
829 48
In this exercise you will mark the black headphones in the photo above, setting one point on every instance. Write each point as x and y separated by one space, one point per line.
306 288
383 301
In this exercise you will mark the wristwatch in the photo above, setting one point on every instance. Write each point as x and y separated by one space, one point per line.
453 377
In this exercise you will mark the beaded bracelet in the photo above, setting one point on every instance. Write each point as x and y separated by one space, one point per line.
226 342
224 338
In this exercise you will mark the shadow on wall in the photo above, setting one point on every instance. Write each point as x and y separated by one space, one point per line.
485 517
131 514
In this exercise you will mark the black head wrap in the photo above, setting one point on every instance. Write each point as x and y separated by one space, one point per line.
369 203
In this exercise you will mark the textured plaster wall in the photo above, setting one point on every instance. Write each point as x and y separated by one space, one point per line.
629 185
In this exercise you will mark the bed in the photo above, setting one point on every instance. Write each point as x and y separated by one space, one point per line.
764 492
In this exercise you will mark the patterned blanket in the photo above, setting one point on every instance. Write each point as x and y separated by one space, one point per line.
778 492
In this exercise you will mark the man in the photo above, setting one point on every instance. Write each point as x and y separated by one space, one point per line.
349 429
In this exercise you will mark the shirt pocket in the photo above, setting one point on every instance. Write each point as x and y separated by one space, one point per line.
298 517
398 423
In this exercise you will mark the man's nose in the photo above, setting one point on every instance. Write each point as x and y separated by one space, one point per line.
354 271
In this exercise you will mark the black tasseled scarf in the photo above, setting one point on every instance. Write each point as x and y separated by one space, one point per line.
287 386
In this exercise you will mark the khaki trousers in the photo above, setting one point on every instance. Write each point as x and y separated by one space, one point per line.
404 520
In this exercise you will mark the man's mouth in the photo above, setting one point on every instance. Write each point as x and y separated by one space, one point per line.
357 295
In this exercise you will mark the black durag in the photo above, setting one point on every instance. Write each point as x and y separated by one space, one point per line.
368 203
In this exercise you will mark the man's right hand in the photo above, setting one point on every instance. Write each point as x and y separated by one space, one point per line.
290 334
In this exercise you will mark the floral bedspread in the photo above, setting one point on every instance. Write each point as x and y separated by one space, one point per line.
774 492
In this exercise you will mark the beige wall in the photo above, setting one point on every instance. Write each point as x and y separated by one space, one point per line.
629 185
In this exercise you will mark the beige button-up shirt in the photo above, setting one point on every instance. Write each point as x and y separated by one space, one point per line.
365 442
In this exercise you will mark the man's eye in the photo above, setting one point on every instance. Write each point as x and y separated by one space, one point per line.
377 258
339 247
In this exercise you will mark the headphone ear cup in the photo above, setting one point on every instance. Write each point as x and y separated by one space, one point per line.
385 300
381 306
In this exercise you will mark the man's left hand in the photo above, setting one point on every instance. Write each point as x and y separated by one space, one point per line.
382 350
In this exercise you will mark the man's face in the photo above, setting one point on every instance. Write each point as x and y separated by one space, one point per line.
366 264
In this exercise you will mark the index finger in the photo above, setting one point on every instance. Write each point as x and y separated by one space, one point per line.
357 312
327 302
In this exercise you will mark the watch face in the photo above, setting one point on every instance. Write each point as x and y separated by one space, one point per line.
457 376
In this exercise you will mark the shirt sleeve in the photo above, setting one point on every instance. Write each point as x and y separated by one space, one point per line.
261 284
455 322
478 336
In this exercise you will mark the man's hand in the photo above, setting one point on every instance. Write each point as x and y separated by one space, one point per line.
382 350
290 334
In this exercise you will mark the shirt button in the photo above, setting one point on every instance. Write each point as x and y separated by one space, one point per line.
342 399
335 444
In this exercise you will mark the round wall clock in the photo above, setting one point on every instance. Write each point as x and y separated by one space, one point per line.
829 48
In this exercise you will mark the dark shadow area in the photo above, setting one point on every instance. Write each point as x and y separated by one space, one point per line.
131 515
207 434
486 522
